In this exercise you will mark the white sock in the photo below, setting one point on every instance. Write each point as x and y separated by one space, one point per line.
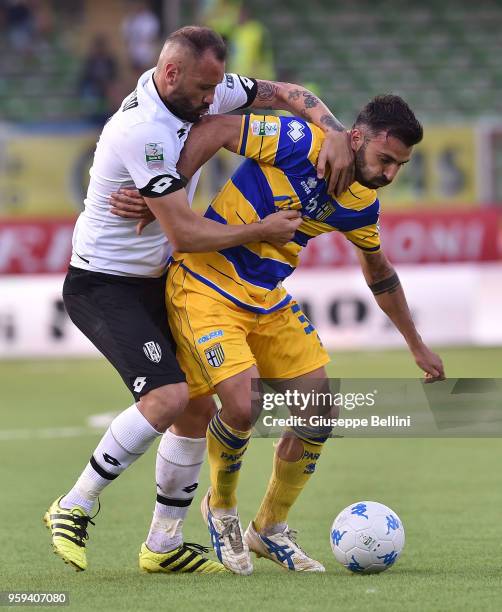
177 472
127 438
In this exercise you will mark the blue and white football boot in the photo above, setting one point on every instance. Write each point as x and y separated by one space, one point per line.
227 540
281 548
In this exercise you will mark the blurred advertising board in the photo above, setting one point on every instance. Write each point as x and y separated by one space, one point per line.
44 171
43 246
442 171
35 246
489 137
420 236
451 305
458 304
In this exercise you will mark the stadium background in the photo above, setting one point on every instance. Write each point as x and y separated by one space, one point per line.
64 67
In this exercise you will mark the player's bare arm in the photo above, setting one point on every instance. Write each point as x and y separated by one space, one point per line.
384 282
209 135
206 138
187 231
336 150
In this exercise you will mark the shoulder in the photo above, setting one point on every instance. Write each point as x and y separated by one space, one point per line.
358 197
235 91
143 137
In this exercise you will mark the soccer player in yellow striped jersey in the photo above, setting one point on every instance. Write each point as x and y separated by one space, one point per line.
279 174
233 321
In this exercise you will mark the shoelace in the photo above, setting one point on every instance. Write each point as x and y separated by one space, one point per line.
292 534
80 524
233 532
197 548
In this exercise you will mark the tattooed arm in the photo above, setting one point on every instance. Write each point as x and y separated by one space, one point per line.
389 295
336 150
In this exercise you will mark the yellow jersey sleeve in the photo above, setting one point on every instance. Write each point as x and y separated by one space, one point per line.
364 201
289 143
366 238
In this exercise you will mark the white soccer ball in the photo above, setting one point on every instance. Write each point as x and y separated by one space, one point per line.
367 537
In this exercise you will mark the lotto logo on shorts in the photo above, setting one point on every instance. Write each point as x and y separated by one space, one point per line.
215 355
153 351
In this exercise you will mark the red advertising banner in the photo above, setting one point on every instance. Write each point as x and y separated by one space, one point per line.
33 246
420 237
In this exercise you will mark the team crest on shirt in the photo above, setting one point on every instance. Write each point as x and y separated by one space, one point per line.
154 154
264 128
153 351
324 211
215 355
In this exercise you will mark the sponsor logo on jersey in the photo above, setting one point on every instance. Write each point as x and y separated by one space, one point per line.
215 355
264 128
247 83
311 205
153 351
217 333
131 101
154 154
295 131
309 184
162 185
229 79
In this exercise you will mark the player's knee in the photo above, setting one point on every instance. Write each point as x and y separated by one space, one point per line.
162 406
195 418
238 414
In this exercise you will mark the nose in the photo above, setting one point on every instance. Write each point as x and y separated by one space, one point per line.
390 173
208 99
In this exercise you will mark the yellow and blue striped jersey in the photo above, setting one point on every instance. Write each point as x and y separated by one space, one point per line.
280 173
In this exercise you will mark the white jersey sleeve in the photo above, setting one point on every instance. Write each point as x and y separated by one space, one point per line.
150 157
234 92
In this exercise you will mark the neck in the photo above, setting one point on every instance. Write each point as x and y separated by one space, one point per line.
164 99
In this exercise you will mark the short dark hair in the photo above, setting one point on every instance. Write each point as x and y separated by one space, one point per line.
390 113
199 39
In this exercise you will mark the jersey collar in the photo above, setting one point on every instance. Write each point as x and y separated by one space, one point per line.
150 88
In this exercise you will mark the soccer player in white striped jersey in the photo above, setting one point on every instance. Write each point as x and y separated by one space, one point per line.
114 289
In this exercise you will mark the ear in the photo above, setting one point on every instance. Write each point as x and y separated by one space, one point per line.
356 138
171 73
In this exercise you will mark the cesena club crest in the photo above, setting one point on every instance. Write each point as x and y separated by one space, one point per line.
215 355
153 351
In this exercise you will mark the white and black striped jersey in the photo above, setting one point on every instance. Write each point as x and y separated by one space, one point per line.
139 147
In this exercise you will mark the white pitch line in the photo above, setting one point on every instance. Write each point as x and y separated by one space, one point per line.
96 423
48 433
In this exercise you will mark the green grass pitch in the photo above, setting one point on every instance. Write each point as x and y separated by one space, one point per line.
447 492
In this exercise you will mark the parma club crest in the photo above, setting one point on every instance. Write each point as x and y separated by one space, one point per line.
215 355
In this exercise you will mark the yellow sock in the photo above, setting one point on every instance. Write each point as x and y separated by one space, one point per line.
286 483
225 448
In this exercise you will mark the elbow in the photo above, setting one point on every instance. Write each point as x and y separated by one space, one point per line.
187 245
180 244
